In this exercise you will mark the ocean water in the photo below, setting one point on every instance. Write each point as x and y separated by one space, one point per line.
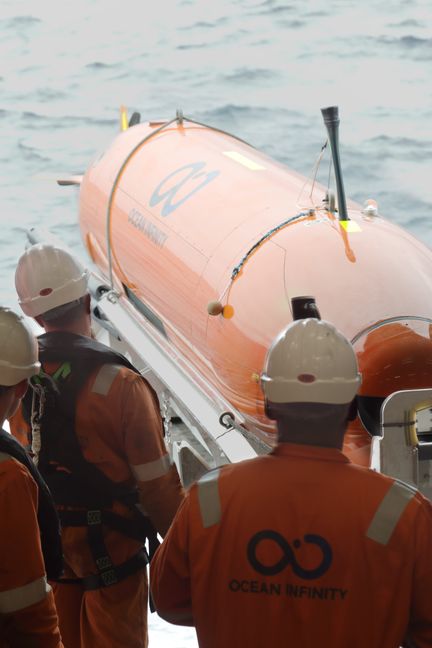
261 69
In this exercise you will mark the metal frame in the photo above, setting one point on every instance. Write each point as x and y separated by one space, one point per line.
402 451
202 430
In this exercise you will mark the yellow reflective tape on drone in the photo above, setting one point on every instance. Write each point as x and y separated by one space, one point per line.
245 161
350 226
123 118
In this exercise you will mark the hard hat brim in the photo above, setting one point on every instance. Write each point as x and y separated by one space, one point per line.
12 375
333 391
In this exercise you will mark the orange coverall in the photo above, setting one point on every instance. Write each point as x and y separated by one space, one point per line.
119 428
298 548
28 616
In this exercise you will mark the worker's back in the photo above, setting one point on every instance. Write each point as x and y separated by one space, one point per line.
302 548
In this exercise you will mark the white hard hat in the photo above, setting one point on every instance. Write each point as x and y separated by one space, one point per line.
310 362
48 276
18 349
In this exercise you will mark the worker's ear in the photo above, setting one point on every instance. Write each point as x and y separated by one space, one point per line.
21 388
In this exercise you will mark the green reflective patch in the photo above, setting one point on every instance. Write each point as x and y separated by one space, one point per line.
63 371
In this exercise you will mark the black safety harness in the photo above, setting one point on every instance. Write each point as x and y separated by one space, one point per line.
48 521
73 481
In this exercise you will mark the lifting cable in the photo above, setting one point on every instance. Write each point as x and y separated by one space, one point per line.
179 119
264 238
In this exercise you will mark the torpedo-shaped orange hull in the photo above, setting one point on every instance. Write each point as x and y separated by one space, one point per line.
188 216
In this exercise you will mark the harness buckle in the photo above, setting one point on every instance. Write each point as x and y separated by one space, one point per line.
109 577
103 563
94 517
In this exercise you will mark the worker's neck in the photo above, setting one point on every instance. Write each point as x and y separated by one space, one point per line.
313 424
78 327
325 432
324 437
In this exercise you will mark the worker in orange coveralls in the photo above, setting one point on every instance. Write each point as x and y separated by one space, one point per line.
97 440
301 547
28 616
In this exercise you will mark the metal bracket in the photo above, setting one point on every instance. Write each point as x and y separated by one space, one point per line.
398 452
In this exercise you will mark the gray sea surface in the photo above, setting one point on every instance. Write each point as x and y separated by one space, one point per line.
261 69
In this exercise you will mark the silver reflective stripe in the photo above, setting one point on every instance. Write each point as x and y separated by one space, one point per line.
152 469
4 456
21 597
208 497
105 379
389 512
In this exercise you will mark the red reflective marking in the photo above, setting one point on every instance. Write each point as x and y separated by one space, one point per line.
306 378
45 291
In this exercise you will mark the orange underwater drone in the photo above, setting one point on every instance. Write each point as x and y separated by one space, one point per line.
204 242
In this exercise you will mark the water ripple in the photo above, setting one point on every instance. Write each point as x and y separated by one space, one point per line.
415 44
405 147
30 153
204 24
192 46
19 21
274 10
250 74
44 121
292 24
409 22
100 65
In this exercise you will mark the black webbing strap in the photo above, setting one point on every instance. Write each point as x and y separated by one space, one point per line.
98 549
135 528
108 573
67 581
111 576
116 574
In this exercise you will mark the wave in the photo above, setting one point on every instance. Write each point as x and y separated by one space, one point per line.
29 153
292 24
45 121
235 111
410 149
100 65
19 21
250 74
42 95
268 8
192 46
204 24
420 46
409 22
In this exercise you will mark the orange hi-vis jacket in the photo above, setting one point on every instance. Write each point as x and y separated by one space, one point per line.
119 428
298 548
27 612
